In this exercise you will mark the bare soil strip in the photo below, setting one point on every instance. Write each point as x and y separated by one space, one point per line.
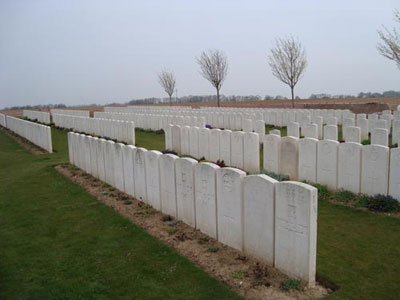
247 276
32 148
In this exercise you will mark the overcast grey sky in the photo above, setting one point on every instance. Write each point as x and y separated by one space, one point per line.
80 52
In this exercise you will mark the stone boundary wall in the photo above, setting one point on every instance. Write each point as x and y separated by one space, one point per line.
37 134
273 221
79 113
236 148
41 116
122 131
369 169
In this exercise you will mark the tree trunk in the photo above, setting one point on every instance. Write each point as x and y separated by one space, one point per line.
292 88
218 98
170 100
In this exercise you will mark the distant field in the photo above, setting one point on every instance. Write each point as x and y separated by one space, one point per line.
362 105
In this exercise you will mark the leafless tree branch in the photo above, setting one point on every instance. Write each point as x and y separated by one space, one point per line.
213 67
167 81
389 46
288 62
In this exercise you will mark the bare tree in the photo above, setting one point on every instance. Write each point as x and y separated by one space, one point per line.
214 68
288 62
389 46
167 80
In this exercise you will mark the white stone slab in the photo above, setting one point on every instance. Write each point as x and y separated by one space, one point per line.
259 217
275 131
380 136
331 132
153 189
176 138
206 198
327 160
296 230
168 136
129 182
214 144
363 124
101 168
204 143
194 142
375 170
237 149
271 150
185 148
308 159
225 146
310 131
168 184
394 175
352 134
349 167
119 166
259 127
229 203
109 162
289 157
186 208
293 129
139 171
251 152
247 125
93 157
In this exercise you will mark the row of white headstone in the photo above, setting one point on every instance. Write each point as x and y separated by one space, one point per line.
122 131
71 112
369 169
236 148
38 134
3 120
274 221
153 122
379 134
228 118
40 116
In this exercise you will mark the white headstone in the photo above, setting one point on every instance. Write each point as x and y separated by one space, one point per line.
394 175
363 124
308 159
310 131
225 146
293 129
206 198
185 140
214 144
101 168
139 173
153 190
259 127
109 162
259 215
296 230
129 182
352 134
380 136
184 168
349 167
275 131
237 149
168 136
289 157
271 150
375 169
194 142
327 159
251 152
331 132
204 143
168 186
247 125
176 138
229 203
119 166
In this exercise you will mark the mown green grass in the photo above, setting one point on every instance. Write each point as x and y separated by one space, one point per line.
58 242
150 140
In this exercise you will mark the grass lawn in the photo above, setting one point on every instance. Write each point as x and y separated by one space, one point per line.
58 242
